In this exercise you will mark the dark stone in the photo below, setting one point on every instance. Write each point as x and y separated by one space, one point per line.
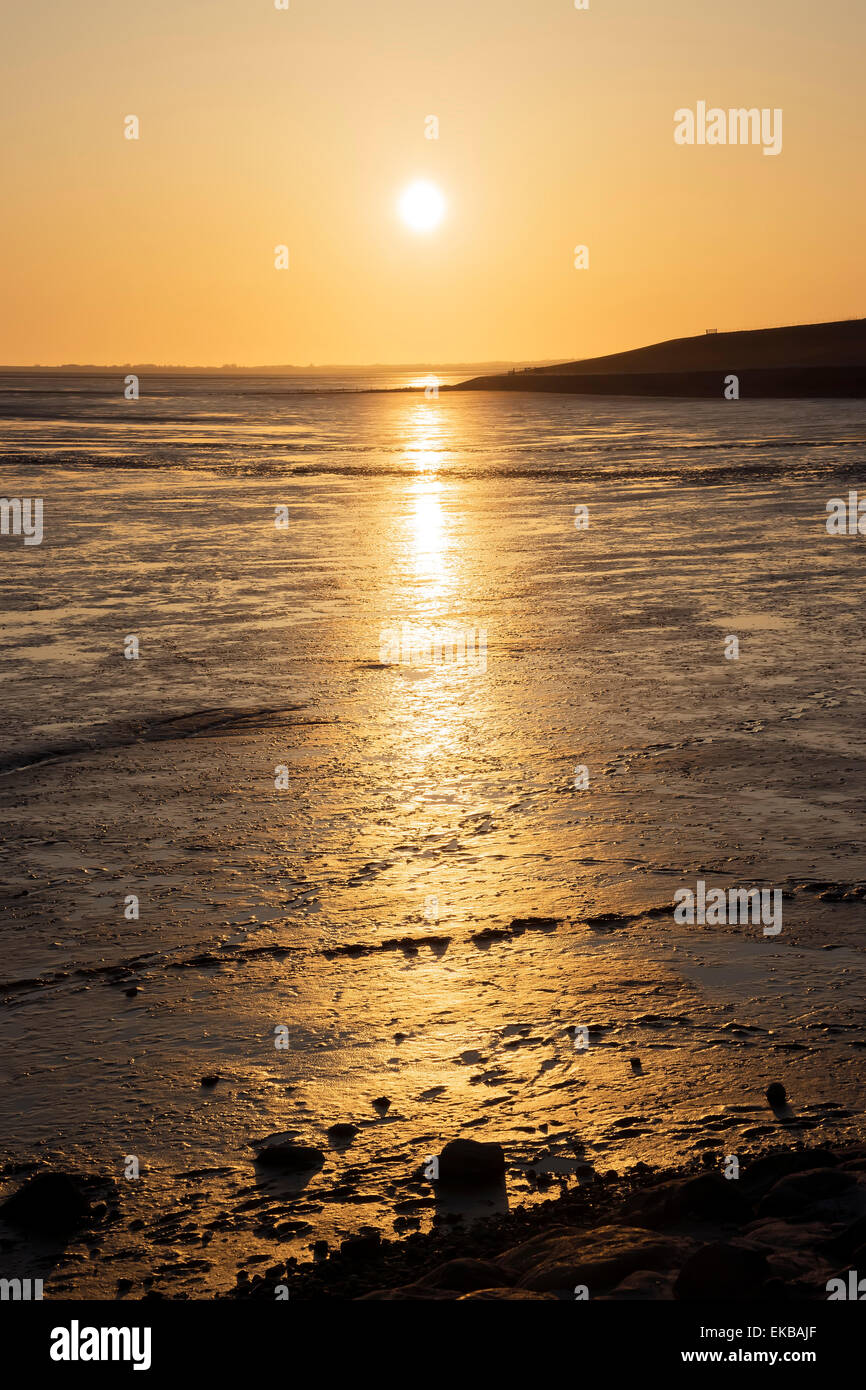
776 1094
465 1275
276 1151
342 1133
467 1163
846 1241
209 1080
505 1295
361 1247
797 1194
760 1176
382 1103
409 1291
707 1197
49 1204
599 1258
644 1285
722 1270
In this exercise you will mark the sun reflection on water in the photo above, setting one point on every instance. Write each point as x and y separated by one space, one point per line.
425 437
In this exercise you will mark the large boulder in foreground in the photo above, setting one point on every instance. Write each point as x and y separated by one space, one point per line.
466 1163
644 1286
465 1275
505 1295
597 1259
281 1151
707 1197
414 1292
49 1204
798 1195
761 1175
724 1269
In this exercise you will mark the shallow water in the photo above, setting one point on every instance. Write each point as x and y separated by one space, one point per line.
370 905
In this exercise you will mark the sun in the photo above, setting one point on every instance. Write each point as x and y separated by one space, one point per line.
421 206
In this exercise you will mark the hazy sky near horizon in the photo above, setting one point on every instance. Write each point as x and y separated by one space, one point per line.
261 127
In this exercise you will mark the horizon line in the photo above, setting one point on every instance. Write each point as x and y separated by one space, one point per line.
395 366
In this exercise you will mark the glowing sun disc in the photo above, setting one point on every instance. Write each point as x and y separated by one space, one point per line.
421 206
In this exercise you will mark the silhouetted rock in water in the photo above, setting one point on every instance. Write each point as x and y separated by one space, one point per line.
209 1081
49 1204
341 1133
467 1163
636 1065
382 1103
362 1246
280 1151
465 1275
686 1235
724 1269
797 1194
776 1094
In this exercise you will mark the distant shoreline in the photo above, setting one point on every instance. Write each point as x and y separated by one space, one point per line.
796 362
756 383
822 360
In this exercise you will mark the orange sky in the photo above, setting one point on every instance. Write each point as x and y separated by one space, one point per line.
261 127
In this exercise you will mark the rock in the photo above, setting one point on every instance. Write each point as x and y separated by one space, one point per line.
279 1151
468 1163
760 1176
643 1285
636 1065
793 1250
209 1080
48 1204
707 1196
362 1246
465 1275
598 1258
725 1269
846 1241
520 1259
506 1294
797 1194
342 1133
413 1291
776 1095
382 1103
774 1235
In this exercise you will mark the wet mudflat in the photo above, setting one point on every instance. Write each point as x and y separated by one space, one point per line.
402 939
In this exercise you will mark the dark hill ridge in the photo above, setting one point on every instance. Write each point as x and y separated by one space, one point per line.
812 359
